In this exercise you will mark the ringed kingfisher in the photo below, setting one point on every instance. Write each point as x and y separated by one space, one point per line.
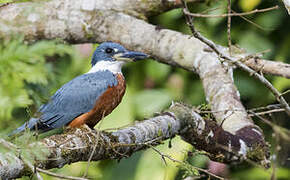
89 97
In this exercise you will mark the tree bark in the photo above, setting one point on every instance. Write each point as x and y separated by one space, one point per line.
269 67
123 21
76 23
287 5
78 144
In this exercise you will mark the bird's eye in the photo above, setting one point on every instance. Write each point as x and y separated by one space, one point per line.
109 50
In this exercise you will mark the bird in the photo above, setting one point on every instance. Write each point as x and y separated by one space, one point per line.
87 98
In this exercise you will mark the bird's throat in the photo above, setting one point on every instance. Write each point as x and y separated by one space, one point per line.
113 66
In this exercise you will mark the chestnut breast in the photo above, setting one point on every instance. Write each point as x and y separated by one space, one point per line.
104 105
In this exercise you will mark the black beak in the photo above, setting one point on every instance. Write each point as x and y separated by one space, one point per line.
129 56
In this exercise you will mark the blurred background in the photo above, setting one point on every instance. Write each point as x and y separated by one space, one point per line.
30 74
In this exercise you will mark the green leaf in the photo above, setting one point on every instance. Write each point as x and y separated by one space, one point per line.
249 5
22 64
6 1
281 83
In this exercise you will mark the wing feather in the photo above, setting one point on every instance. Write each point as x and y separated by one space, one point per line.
75 98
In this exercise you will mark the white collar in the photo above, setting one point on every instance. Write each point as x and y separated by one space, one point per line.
113 66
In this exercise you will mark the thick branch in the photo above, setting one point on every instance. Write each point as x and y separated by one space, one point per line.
85 21
77 144
60 19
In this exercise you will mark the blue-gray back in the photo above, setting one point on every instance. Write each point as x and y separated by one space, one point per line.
74 98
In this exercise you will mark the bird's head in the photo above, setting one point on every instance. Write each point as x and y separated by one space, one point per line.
112 56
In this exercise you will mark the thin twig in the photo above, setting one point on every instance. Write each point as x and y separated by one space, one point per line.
274 108
183 163
59 175
238 63
285 92
255 55
92 153
268 107
268 112
211 10
276 128
251 22
230 14
229 28
33 169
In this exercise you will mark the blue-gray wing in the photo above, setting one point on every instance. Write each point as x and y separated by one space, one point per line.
73 99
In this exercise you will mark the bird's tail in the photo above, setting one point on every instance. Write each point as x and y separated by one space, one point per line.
27 125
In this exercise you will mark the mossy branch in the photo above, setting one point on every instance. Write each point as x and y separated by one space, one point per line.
78 144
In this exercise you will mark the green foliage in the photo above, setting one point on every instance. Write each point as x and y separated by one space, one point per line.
248 5
273 35
188 170
24 65
30 74
6 1
261 174
29 149
25 147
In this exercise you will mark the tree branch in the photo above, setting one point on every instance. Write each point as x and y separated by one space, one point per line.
76 23
229 14
269 67
91 21
287 5
237 62
76 144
